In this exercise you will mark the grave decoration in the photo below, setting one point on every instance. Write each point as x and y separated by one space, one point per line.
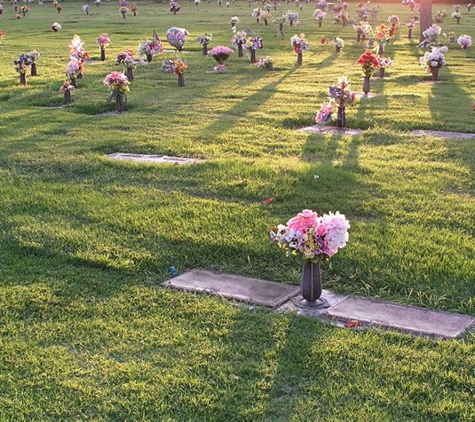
33 56
464 41
265 63
123 10
103 41
149 48
1 8
362 30
55 27
85 9
433 60
127 60
314 240
72 70
266 16
470 6
319 15
176 37
410 27
280 21
457 16
66 89
174 7
238 41
134 9
59 8
234 22
253 44
300 44
440 16
382 36
118 85
176 66
384 63
338 43
369 62
24 10
256 14
292 17
220 54
431 36
21 66
77 51
451 36
394 22
339 96
204 40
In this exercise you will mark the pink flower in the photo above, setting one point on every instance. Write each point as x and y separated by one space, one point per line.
303 221
336 233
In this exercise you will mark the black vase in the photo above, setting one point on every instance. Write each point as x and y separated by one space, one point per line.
311 286
341 117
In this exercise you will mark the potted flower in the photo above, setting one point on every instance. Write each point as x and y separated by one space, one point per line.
66 89
319 15
127 60
33 56
368 62
314 239
252 44
300 44
174 7
384 63
238 40
220 54
56 27
338 43
149 48
176 37
178 67
118 85
433 60
103 41
204 41
21 66
265 63
464 41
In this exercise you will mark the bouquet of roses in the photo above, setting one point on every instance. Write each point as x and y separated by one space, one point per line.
312 237
368 62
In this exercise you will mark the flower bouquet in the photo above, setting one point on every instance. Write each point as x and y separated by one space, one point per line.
338 43
292 17
265 63
133 9
464 41
118 85
256 14
66 89
431 36
103 42
127 60
149 48
59 8
238 40
321 4
24 10
176 37
368 62
77 51
56 27
319 15
457 16
178 67
21 66
85 9
220 54
234 22
341 16
204 41
384 63
123 10
314 239
300 44
470 6
33 56
266 16
433 60
394 21
440 16
72 70
382 35
174 7
410 27
252 44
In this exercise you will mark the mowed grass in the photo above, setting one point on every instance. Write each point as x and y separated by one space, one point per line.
87 331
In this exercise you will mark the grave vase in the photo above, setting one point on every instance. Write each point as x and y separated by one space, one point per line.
299 59
72 81
358 37
181 79
311 285
119 102
409 34
435 73
366 85
67 97
240 54
380 50
281 27
382 71
337 49
22 78
341 117
33 69
103 54
130 74
253 55
149 58
205 49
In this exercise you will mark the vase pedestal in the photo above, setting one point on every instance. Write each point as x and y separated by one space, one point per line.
253 56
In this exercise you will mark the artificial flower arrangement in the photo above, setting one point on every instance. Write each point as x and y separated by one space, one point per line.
149 48
342 17
123 10
266 15
292 17
410 26
411 4
382 35
72 70
338 43
369 62
256 14
178 67
174 7
77 51
204 40
464 41
321 4
56 27
234 21
470 6
339 96
197 2
299 43
431 36
384 63
59 7
24 10
66 89
238 41
457 16
451 36
176 37
319 15
134 9
265 63
220 54
252 44
127 60
103 41
33 56
440 16
311 237
85 9
118 85
280 20
21 66
433 60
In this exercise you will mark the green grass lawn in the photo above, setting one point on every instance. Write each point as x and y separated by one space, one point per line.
87 333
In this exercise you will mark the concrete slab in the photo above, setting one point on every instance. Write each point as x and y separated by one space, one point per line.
250 290
330 130
405 318
158 159
443 134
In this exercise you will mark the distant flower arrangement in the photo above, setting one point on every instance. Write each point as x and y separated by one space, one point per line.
56 27
465 41
293 17
265 63
177 66
103 40
117 83
434 59
368 62
205 39
299 43
338 42
67 87
385 62
126 59
174 7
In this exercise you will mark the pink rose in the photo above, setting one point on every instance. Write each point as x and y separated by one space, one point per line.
303 221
